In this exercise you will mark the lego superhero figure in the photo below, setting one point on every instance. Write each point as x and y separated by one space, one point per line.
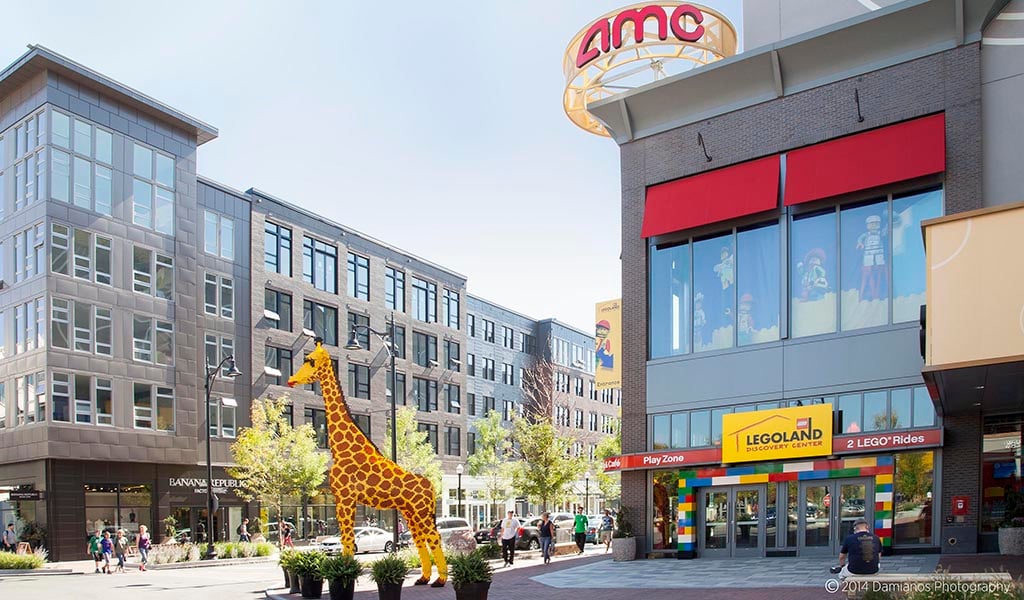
745 320
813 277
873 265
727 275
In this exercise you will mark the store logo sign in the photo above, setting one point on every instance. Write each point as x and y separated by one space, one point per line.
777 434
605 34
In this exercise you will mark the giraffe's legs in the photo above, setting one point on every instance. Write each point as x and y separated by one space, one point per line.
434 539
346 512
419 539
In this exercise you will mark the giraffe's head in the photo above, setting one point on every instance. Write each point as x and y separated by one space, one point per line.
307 373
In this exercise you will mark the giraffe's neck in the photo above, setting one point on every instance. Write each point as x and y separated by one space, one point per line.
338 415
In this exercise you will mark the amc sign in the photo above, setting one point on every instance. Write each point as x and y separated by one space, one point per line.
609 32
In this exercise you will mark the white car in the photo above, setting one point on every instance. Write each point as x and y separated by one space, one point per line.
368 539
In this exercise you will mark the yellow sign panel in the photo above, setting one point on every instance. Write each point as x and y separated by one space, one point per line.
777 434
607 345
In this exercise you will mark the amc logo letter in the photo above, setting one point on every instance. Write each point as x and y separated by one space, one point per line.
611 34
777 434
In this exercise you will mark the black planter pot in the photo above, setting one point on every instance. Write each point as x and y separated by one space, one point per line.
293 583
341 590
472 591
311 586
389 591
287 580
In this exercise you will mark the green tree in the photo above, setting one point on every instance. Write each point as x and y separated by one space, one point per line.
491 461
913 477
415 453
546 468
273 459
609 483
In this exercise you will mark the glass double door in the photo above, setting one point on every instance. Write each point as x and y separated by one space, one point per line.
733 522
826 510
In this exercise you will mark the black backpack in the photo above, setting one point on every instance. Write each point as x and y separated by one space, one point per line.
238 530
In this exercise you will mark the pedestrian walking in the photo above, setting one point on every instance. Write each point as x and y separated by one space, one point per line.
95 548
121 550
607 526
286 536
509 530
10 538
243 530
547 536
107 548
580 529
145 543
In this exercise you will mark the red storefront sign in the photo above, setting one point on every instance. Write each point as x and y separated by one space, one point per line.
610 35
842 444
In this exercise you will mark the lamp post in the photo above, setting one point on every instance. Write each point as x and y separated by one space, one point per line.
586 497
211 374
388 340
458 471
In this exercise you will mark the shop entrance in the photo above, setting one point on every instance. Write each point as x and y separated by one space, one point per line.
827 510
732 521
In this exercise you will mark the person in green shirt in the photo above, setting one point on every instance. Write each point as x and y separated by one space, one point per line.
580 529
95 548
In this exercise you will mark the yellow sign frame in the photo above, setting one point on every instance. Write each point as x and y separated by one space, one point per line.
795 432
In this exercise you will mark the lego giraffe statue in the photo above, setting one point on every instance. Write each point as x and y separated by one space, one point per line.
361 474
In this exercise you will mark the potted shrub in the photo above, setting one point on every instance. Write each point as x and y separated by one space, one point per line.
471 576
170 529
287 561
1011 530
307 568
341 573
623 542
389 574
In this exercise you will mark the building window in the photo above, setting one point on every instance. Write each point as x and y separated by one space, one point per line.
471 365
400 381
593 422
30 403
425 394
358 277
29 161
277 249
320 264
152 273
359 326
222 417
528 343
488 369
277 308
279 360
394 289
508 337
217 349
452 441
318 419
219 235
452 357
363 423
431 430
153 407
578 418
424 300
470 443
153 194
578 381
424 349
89 254
30 324
152 340
219 296
90 167
488 331
471 404
29 252
508 409
489 405
321 320
398 346
85 326
452 395
508 374
470 325
450 308
359 381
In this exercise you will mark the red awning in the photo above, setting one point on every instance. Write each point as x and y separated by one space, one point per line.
719 195
866 160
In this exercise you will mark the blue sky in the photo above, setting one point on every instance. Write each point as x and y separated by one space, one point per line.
435 126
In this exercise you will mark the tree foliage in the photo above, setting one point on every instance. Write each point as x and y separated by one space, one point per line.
609 483
545 469
274 459
415 453
492 460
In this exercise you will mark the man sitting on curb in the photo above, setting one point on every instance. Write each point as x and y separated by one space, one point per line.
863 549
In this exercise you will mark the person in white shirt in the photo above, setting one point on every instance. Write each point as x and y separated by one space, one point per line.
509 530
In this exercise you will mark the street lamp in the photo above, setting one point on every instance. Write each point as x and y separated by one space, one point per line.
388 340
586 497
458 471
211 374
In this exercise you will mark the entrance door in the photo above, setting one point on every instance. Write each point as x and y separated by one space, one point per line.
732 522
827 510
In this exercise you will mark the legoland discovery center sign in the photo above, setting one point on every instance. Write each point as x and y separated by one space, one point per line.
777 434
636 45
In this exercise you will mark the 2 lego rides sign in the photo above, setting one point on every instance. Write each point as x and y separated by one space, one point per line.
776 434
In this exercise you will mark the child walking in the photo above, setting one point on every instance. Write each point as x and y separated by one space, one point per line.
107 548
121 549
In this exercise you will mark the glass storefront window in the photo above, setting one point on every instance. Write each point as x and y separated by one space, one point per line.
899 406
1000 467
849 413
661 432
665 493
670 300
757 285
913 480
864 238
714 284
716 425
908 265
876 413
814 274
110 507
679 430
771 515
924 409
700 428
792 514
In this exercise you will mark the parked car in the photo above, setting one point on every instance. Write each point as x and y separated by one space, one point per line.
593 525
368 539
183 536
487 533
446 526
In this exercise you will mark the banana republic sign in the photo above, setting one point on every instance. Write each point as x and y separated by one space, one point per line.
775 434
197 485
